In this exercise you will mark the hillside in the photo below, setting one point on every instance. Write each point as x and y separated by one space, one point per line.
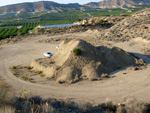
137 25
39 6
117 3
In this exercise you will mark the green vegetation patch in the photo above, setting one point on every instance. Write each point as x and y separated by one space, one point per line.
77 51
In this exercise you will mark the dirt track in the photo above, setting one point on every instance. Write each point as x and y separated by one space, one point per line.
133 84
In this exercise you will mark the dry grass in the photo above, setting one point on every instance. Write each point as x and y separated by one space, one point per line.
38 105
6 96
133 106
25 78
7 109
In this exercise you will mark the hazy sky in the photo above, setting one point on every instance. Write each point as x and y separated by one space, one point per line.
8 2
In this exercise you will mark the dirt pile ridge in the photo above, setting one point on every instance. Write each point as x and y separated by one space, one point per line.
137 25
66 67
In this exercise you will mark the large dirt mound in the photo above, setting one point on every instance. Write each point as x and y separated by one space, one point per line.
67 67
137 25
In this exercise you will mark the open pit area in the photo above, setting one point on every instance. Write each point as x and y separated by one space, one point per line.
129 82
115 52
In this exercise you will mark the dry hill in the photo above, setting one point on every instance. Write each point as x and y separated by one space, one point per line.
137 25
117 3
39 6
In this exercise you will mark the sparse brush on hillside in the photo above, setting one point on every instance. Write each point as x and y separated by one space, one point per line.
27 104
136 25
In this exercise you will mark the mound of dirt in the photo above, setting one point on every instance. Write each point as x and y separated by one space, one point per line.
66 67
137 25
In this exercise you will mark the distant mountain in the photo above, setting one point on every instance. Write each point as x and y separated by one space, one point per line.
39 6
117 3
49 6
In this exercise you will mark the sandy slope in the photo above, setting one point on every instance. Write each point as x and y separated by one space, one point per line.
134 83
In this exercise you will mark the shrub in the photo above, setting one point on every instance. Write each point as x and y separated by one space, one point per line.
16 74
77 51
84 107
101 21
25 78
13 67
39 72
133 106
118 66
42 75
104 22
35 100
29 67
32 80
108 107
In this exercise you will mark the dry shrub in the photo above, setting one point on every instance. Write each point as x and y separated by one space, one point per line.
132 106
84 107
7 109
29 67
39 71
42 75
25 78
108 107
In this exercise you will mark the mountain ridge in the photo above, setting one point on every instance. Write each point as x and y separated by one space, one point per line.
117 3
50 6
39 6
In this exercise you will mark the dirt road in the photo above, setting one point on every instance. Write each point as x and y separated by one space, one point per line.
132 84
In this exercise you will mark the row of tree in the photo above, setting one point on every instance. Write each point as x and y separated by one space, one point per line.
12 29
31 24
7 31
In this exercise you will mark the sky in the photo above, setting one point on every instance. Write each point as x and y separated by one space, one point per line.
8 2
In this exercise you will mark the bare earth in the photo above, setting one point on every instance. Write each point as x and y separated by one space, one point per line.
132 84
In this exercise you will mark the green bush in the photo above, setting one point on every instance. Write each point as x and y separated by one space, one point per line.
119 67
104 22
13 67
77 51
101 21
